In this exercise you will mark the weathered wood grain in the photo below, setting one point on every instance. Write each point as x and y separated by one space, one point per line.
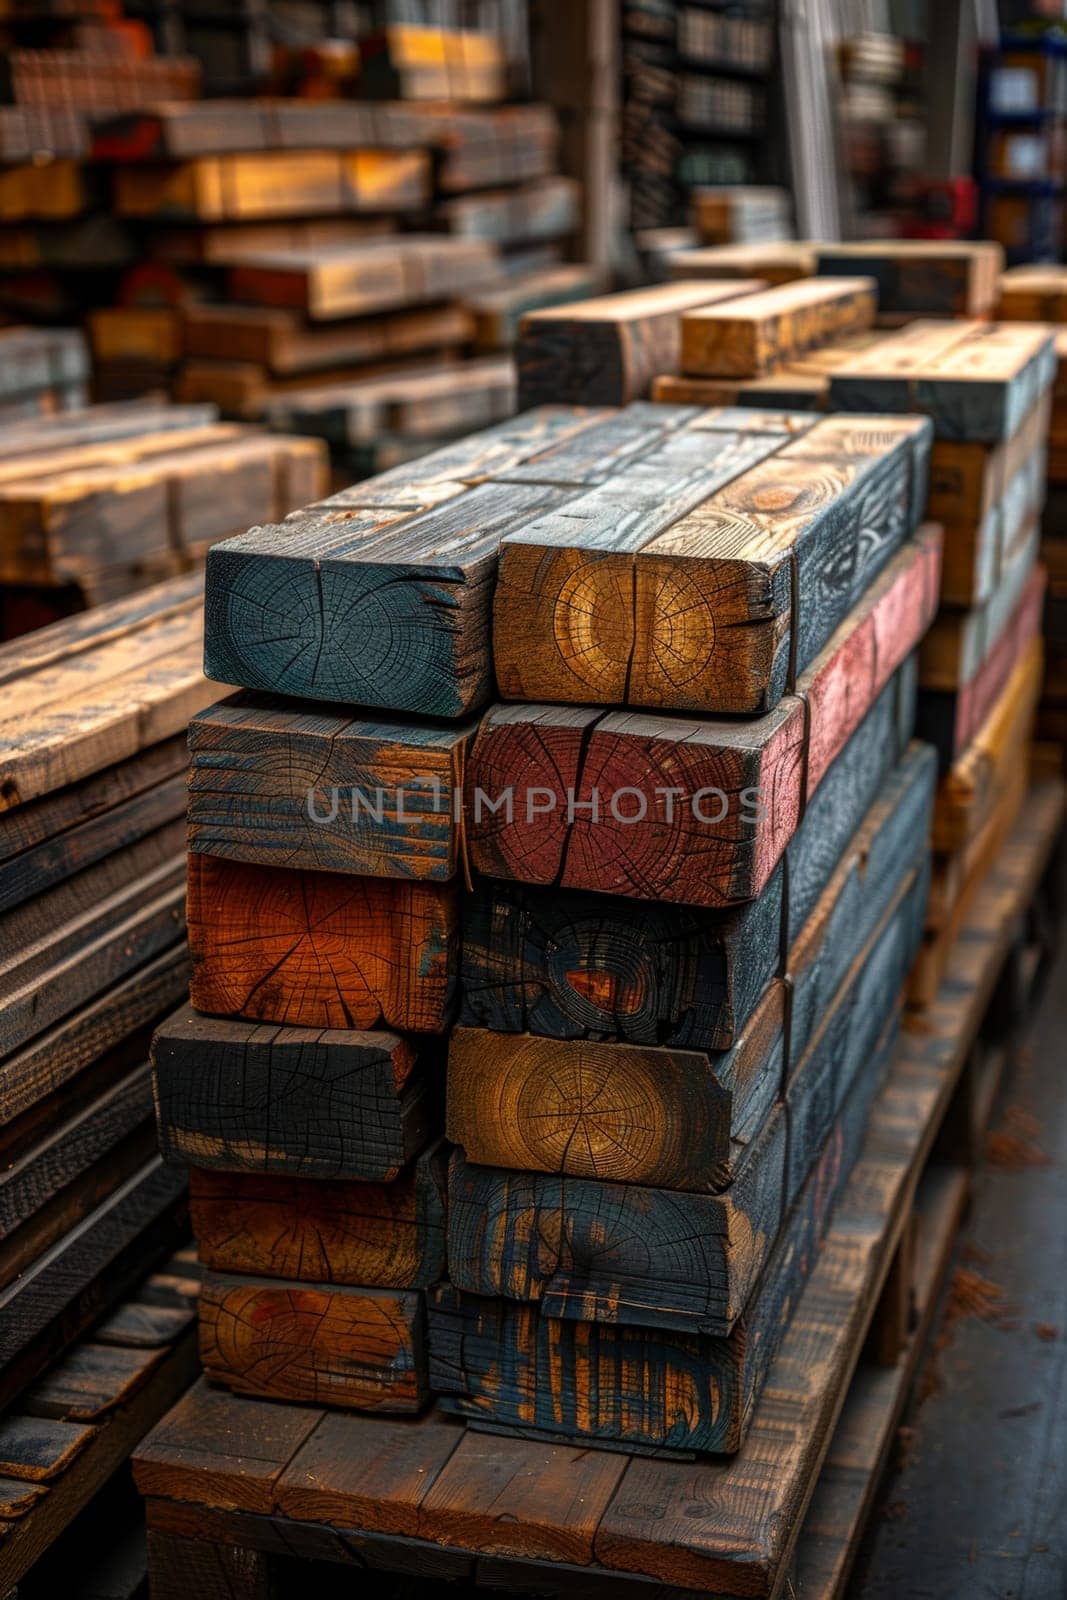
976 381
624 1113
606 351
302 1103
713 599
362 1348
290 787
568 965
389 1235
753 337
318 949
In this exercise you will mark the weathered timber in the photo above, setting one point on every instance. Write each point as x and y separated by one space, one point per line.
64 948
50 838
288 786
370 275
318 949
523 1368
381 596
706 579
922 278
667 808
96 689
976 381
610 1111
287 1102
777 261
549 209
416 402
497 310
753 337
606 351
85 1272
390 1235
573 965
340 1346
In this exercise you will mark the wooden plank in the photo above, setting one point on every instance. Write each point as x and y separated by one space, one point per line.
278 339
37 1449
777 261
355 1347
391 1235
749 339
414 402
100 424
639 605
319 950
85 1272
113 1025
606 351
373 275
547 209
588 805
976 381
1033 294
353 1105
297 789
497 310
48 839
922 278
228 1451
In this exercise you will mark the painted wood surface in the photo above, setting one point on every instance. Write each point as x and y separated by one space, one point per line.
303 1103
292 787
564 768
318 949
389 1235
307 1342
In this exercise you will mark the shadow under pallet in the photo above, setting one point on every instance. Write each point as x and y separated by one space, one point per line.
232 1484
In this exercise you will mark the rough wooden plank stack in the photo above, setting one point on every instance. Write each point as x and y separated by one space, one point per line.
92 880
987 389
42 371
92 508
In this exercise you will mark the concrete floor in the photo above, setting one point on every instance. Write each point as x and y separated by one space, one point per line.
978 1507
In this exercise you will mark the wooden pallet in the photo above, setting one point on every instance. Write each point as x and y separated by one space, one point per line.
65 1438
234 1484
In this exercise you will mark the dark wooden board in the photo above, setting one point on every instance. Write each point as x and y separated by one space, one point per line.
922 278
303 1103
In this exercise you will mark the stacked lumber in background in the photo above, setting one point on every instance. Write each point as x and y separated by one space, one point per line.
777 261
650 1141
736 214
42 371
922 278
92 910
97 503
770 349
986 388
1039 294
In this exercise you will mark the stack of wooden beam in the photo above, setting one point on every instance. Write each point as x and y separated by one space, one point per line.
736 214
92 883
624 968
100 502
986 389
1039 294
